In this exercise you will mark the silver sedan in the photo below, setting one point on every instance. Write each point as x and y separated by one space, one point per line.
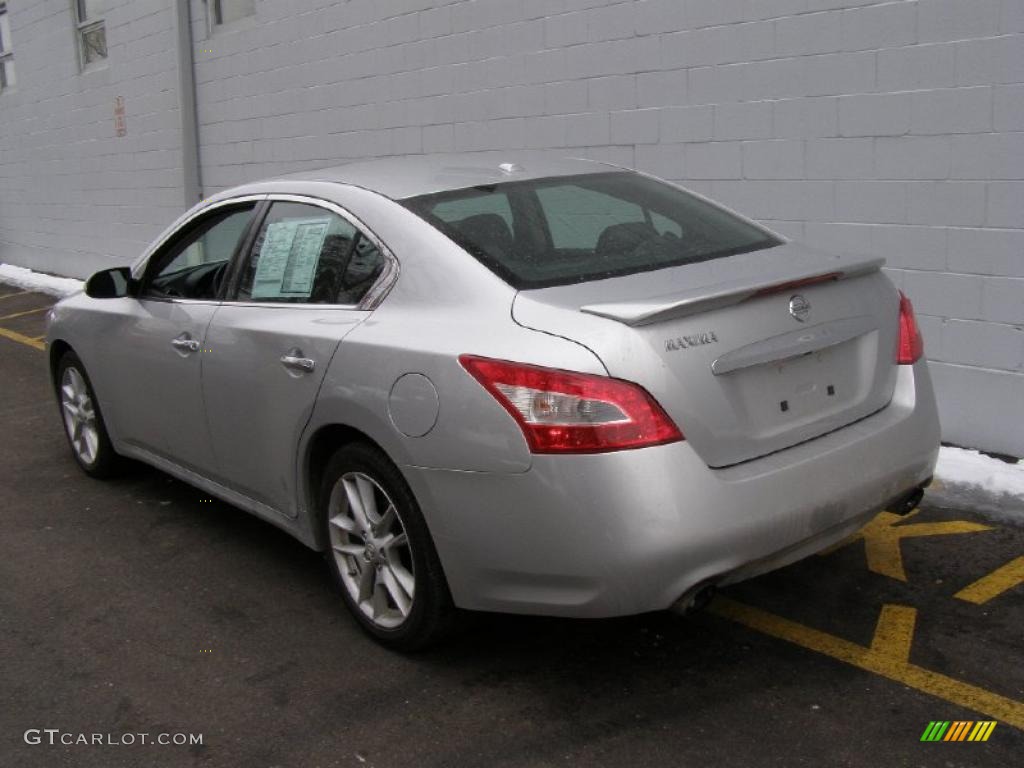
554 388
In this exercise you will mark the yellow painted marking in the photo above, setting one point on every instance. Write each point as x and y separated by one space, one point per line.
26 312
882 540
26 340
885 657
977 730
1000 580
16 293
988 732
894 632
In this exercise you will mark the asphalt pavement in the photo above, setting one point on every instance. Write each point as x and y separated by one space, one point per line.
140 606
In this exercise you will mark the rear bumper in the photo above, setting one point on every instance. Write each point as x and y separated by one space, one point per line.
629 532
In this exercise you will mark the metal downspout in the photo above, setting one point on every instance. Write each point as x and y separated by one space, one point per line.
191 171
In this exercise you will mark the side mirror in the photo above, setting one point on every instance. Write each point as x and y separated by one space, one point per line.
110 284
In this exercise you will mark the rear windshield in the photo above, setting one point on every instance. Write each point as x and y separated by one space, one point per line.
571 229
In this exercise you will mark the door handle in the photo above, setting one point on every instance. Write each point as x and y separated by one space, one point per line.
185 343
294 360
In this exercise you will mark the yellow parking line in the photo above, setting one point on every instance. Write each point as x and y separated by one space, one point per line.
883 534
16 293
994 584
26 312
885 657
894 633
28 341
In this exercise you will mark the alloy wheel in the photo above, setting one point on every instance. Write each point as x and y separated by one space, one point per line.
79 415
371 549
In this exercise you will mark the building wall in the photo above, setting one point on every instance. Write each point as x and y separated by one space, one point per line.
894 128
73 196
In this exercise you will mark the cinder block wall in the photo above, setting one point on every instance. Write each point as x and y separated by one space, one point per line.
894 128
74 197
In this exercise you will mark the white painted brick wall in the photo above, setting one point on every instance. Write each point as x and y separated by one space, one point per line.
894 127
73 196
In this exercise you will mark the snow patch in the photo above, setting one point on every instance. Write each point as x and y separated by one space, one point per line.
964 467
38 281
970 480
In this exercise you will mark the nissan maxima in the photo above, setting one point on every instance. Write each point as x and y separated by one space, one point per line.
539 387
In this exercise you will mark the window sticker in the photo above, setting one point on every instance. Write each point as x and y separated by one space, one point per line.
288 259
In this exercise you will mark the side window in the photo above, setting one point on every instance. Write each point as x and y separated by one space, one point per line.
577 216
194 264
307 254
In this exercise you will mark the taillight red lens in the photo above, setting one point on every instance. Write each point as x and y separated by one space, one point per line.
565 412
911 346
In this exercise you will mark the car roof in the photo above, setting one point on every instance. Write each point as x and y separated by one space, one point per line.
409 176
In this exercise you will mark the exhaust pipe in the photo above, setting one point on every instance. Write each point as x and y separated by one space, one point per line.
694 599
904 505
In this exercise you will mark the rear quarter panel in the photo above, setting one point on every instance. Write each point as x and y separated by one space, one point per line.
443 304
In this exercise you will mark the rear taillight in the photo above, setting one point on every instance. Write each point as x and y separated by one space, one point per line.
911 346
564 412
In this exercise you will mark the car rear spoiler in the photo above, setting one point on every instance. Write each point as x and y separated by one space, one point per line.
716 296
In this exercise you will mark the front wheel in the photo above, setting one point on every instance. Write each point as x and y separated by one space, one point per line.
381 554
83 422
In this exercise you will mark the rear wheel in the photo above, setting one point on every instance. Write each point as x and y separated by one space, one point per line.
381 554
83 422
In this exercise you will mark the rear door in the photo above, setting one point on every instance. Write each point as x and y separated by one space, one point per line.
295 296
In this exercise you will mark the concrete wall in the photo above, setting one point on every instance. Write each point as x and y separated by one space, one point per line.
894 128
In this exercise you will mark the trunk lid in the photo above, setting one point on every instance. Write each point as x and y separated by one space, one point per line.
749 354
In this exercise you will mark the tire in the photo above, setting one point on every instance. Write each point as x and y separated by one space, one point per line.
82 419
394 586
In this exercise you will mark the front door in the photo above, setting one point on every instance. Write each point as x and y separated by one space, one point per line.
273 338
154 353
